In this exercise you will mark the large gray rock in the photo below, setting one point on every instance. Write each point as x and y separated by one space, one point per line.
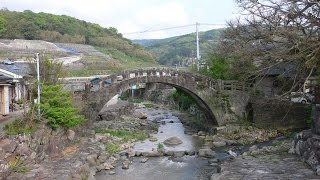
219 143
178 153
8 145
206 153
172 141
140 115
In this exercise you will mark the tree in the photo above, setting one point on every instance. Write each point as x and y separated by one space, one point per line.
50 71
219 67
271 32
2 25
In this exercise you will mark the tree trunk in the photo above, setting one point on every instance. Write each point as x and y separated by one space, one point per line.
316 112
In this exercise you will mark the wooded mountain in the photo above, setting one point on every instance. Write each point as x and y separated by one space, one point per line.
65 29
181 50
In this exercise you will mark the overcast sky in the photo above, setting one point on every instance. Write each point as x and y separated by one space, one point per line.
137 15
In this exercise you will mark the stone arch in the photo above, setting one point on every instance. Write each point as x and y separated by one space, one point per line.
192 84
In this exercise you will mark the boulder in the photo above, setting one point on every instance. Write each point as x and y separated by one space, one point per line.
219 143
201 133
8 145
91 159
172 141
206 153
140 115
178 153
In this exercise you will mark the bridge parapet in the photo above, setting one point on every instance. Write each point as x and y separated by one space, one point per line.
200 80
208 93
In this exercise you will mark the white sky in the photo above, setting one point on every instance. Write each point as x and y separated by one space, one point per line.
137 15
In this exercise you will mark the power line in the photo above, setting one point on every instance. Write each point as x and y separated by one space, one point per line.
174 27
168 28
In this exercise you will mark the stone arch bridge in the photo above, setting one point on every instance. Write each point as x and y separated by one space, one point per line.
221 101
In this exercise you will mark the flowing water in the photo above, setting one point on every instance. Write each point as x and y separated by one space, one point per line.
196 168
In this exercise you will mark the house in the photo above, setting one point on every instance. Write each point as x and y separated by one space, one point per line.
270 81
13 84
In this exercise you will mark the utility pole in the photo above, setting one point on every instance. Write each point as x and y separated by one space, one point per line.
198 51
38 82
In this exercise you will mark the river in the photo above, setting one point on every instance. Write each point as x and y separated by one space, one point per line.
198 168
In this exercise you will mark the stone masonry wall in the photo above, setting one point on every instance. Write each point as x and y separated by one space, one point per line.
279 114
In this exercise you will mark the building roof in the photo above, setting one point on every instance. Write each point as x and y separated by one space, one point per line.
21 69
286 70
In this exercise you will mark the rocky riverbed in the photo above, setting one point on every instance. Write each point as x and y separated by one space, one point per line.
152 143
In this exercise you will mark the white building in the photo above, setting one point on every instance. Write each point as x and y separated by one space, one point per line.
12 85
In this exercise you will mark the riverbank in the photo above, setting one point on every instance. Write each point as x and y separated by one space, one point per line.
132 147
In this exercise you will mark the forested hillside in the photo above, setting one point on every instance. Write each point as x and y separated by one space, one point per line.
181 50
65 29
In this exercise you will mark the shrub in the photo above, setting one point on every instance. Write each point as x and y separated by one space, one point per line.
18 126
112 148
125 135
160 147
57 108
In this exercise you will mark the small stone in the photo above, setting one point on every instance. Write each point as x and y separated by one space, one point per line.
153 139
144 160
253 148
71 135
33 155
201 133
172 141
318 170
112 173
125 164
215 160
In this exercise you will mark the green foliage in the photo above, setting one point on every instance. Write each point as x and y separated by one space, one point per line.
112 148
183 99
160 147
18 126
51 71
308 110
178 50
148 105
66 29
56 107
2 25
219 67
125 135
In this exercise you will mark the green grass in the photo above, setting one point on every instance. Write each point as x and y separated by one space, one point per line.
125 135
18 126
112 148
148 105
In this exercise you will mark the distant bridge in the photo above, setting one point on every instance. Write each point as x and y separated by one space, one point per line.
205 90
